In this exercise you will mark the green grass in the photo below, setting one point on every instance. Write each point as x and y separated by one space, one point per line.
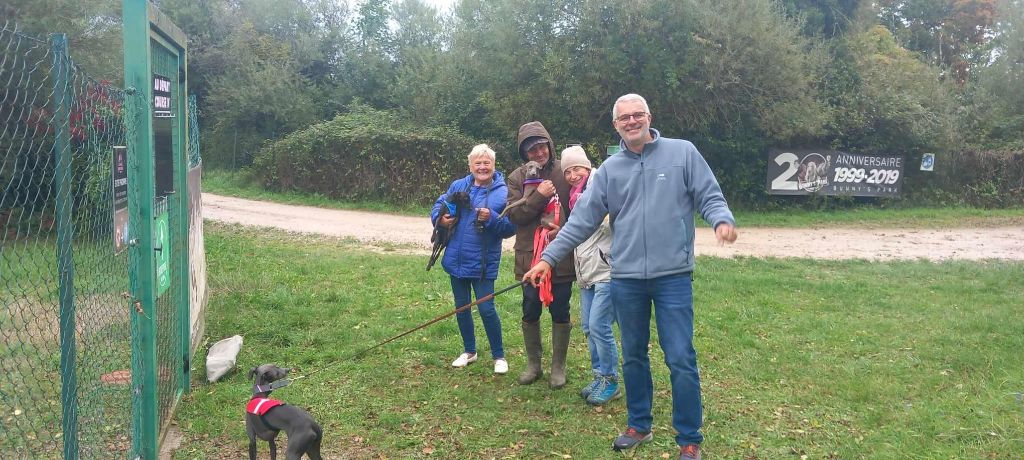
30 346
881 218
238 184
828 359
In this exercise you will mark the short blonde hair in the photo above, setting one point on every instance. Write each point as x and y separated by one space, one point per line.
480 150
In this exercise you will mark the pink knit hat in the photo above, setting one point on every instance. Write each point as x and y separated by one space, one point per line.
575 156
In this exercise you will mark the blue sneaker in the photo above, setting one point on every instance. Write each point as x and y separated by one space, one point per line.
587 390
607 391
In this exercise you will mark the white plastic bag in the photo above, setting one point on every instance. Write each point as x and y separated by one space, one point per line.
221 357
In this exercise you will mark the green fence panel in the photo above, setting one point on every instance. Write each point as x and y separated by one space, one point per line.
93 355
64 338
194 156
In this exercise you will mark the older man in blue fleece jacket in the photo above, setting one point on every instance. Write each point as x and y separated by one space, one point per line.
650 189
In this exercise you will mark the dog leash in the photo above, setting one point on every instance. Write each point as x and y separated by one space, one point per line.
271 386
461 309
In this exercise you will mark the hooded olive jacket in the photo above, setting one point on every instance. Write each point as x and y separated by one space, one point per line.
527 216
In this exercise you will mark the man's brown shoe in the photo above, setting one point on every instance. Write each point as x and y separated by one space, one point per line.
631 438
689 452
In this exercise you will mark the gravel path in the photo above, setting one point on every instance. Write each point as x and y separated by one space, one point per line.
414 233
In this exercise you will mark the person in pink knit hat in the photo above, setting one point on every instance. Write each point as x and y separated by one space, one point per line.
593 276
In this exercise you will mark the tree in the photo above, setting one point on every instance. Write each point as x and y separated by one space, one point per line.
996 115
93 30
896 101
261 68
951 34
829 18
420 42
369 67
207 24
261 95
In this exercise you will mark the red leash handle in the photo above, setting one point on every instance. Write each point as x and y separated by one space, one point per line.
540 238
540 241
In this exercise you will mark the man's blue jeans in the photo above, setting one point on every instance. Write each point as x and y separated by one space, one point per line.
489 316
596 317
672 297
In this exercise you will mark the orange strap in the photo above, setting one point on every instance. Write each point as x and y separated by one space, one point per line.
540 241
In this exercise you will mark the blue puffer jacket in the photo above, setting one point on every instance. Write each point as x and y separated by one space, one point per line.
472 254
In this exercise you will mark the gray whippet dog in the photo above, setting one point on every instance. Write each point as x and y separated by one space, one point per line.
265 418
530 184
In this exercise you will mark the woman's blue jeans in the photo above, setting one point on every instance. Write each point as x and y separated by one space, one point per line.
672 297
488 315
596 317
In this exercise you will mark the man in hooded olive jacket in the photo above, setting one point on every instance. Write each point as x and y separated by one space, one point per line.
535 144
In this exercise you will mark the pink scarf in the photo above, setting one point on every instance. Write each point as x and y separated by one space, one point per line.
575 192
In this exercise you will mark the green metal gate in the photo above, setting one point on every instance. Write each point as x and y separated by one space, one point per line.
94 262
154 50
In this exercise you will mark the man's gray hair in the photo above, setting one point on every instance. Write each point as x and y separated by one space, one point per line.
480 150
628 97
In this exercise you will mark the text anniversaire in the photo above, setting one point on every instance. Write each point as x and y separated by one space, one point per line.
863 160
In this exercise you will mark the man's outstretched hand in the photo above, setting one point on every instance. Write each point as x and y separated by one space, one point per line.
537 272
725 233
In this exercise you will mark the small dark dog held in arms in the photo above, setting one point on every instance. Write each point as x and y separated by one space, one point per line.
441 235
265 418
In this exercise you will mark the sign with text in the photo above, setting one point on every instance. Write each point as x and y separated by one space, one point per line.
161 96
831 172
119 182
163 132
162 235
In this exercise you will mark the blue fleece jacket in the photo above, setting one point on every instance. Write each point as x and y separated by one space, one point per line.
472 254
651 198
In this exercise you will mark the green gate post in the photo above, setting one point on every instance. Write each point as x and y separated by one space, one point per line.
137 80
147 31
180 263
65 232
169 39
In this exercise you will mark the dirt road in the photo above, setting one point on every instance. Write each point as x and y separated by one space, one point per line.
414 233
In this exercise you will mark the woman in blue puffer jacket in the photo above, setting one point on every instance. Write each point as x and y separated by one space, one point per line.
474 251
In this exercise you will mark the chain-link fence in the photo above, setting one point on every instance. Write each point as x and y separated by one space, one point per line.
70 333
194 158
65 324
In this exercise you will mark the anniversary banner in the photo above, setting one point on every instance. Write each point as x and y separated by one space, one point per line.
831 172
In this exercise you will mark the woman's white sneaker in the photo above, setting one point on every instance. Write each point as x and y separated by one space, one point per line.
500 366
464 359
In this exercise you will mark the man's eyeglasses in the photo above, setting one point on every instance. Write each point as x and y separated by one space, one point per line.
638 116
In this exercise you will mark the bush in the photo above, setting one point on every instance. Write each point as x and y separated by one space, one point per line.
366 155
991 179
